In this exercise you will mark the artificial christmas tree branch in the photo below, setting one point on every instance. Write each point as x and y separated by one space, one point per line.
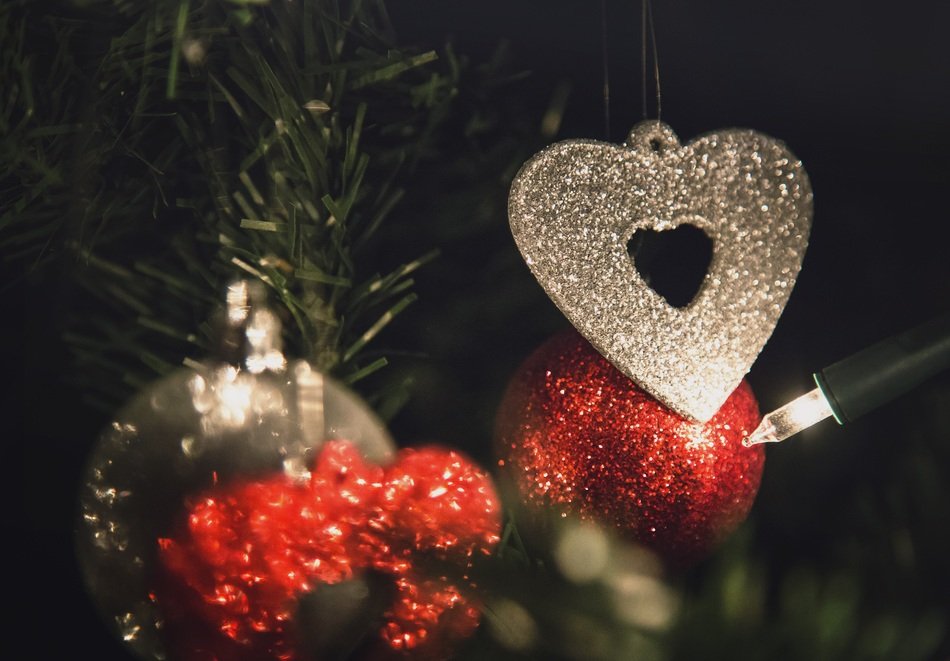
236 138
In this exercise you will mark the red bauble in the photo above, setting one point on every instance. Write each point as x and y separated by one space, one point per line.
247 551
580 437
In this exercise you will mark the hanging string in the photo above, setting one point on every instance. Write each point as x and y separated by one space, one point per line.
656 61
603 33
646 22
643 56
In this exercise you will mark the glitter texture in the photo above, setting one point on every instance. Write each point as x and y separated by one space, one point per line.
578 436
574 206
246 552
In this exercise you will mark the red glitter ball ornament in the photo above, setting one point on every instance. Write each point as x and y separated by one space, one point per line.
248 551
578 436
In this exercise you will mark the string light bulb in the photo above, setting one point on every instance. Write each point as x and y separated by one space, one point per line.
801 413
862 382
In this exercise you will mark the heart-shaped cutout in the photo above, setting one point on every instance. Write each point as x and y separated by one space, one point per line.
673 262
574 206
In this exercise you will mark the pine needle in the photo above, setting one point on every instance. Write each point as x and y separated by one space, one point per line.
381 323
180 23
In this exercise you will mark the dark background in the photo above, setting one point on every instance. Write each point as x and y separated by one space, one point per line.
860 91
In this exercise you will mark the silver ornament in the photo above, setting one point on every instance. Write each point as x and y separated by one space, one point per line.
574 207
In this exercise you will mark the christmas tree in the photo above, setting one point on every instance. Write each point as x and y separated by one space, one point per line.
355 157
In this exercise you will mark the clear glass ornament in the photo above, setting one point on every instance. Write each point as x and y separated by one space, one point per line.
254 415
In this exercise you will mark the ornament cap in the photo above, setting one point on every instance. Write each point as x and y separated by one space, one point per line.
251 333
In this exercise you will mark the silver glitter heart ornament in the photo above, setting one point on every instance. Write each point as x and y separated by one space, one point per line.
574 207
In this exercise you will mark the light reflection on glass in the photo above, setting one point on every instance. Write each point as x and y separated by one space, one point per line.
792 418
